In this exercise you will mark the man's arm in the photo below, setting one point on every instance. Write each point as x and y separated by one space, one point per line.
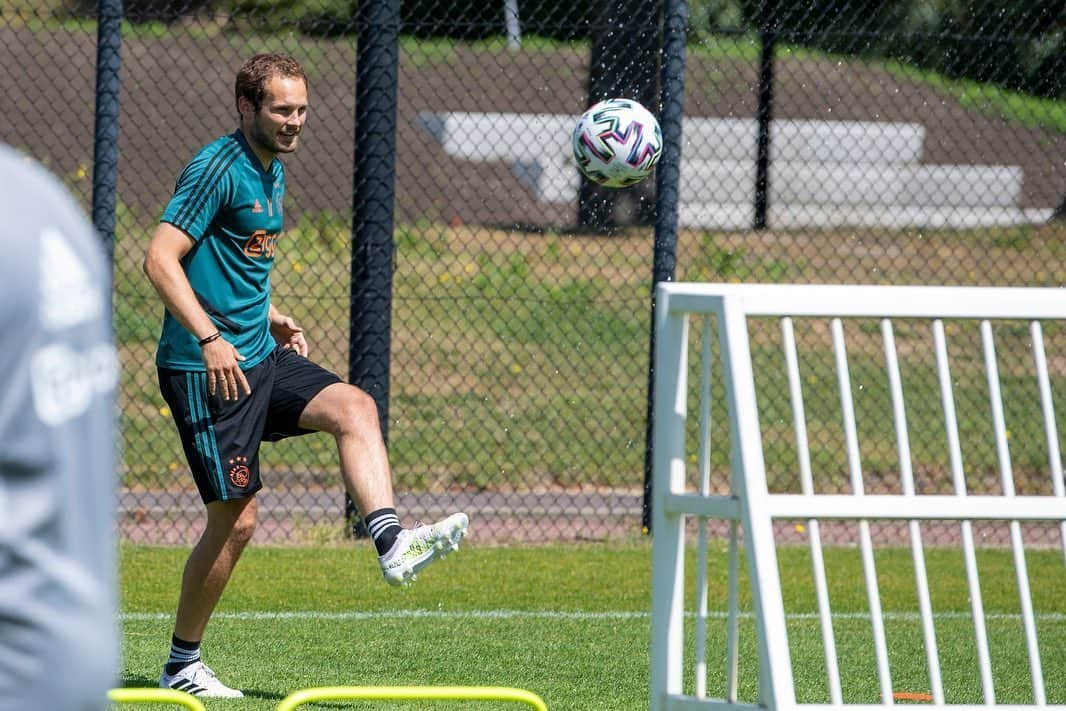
162 265
285 331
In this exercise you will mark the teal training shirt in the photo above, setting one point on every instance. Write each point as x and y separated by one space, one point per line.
232 208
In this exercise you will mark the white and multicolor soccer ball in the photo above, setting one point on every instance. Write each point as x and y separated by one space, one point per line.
617 142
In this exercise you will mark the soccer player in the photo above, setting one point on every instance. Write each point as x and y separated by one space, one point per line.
234 369
59 643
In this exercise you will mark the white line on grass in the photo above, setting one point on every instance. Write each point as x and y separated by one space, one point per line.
549 615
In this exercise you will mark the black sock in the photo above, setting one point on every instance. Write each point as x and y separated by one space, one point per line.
384 526
182 654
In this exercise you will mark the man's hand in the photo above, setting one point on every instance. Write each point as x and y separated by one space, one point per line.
223 371
287 334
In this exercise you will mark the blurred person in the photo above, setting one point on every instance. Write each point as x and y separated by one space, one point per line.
234 369
59 642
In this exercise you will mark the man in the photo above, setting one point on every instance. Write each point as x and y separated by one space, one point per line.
58 636
233 368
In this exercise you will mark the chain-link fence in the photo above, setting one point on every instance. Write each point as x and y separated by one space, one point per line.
905 142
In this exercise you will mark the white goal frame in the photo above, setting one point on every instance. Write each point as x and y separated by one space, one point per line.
679 497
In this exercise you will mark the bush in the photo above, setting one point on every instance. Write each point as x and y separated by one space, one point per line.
1016 44
323 18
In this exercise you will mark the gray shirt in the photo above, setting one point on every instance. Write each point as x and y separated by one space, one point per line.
58 371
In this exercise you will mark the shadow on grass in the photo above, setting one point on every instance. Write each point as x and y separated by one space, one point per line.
143 682
139 682
269 695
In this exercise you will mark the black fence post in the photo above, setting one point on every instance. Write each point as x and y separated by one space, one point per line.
623 64
105 139
667 188
374 173
768 36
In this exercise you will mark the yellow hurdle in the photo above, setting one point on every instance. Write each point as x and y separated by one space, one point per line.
412 693
147 696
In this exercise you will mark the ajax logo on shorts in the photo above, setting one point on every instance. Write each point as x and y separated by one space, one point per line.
238 471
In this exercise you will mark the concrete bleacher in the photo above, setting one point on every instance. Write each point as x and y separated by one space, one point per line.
822 173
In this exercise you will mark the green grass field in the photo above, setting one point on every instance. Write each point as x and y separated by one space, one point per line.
569 623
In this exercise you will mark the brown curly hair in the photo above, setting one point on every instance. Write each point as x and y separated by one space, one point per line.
254 74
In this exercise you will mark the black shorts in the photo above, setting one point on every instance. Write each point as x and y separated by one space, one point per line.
221 438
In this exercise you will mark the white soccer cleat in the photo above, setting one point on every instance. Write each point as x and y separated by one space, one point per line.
417 547
198 679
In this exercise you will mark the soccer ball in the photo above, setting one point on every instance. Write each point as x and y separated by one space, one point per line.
617 142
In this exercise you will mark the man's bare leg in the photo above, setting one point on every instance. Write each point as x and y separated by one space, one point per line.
230 525
351 416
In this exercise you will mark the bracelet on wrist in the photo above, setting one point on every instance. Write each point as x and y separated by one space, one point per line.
207 339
